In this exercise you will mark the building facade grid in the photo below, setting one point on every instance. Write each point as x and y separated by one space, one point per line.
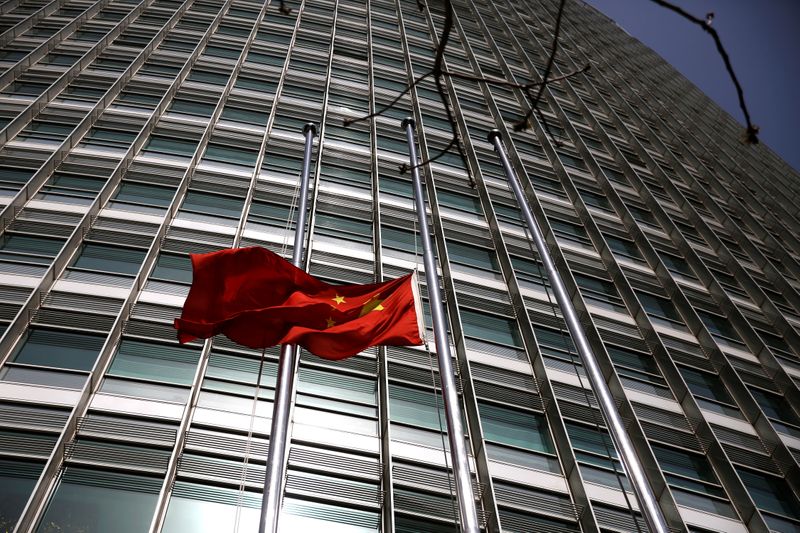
134 133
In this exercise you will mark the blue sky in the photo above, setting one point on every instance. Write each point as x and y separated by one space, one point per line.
763 40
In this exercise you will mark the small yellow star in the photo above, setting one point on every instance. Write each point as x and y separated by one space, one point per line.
338 299
378 307
330 323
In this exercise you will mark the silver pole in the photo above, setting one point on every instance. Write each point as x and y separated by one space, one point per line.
455 431
287 365
641 487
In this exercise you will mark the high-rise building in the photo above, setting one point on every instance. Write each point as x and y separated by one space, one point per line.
137 132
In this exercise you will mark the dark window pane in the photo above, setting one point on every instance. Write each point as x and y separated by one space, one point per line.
107 258
59 349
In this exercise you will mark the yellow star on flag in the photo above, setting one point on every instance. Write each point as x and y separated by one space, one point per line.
373 304
338 299
330 322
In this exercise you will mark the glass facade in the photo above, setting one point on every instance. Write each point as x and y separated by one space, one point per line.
133 133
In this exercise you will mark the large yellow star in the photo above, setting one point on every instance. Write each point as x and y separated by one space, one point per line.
373 304
338 299
330 322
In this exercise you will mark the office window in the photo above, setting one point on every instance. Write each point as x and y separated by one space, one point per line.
172 267
31 249
59 349
107 258
17 480
140 193
472 255
208 509
490 328
213 204
92 500
154 362
778 410
522 429
772 494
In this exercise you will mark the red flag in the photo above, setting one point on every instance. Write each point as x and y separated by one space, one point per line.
258 299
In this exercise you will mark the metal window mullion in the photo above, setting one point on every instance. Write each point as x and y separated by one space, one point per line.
384 406
738 390
27 23
467 397
577 490
34 508
8 6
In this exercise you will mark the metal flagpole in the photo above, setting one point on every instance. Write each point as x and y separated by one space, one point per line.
278 440
455 430
641 487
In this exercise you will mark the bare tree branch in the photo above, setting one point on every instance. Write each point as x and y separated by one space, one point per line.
387 107
751 133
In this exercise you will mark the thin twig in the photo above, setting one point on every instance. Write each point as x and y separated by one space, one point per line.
387 107
751 133
525 122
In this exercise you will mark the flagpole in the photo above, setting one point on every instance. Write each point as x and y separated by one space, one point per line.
287 365
633 467
458 451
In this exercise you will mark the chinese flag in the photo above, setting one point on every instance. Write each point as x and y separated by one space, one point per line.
258 299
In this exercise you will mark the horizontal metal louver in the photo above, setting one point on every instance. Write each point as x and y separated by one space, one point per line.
340 275
119 238
647 388
34 271
69 300
537 501
150 311
225 496
328 487
54 217
410 356
109 454
416 375
366 362
72 319
153 330
482 303
38 445
128 430
9 311
621 334
329 460
519 523
345 262
506 352
97 278
574 394
507 378
187 246
163 287
112 480
426 478
491 391
671 436
750 459
198 238
226 444
14 294
29 417
223 470
618 519
34 227
743 440
660 416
